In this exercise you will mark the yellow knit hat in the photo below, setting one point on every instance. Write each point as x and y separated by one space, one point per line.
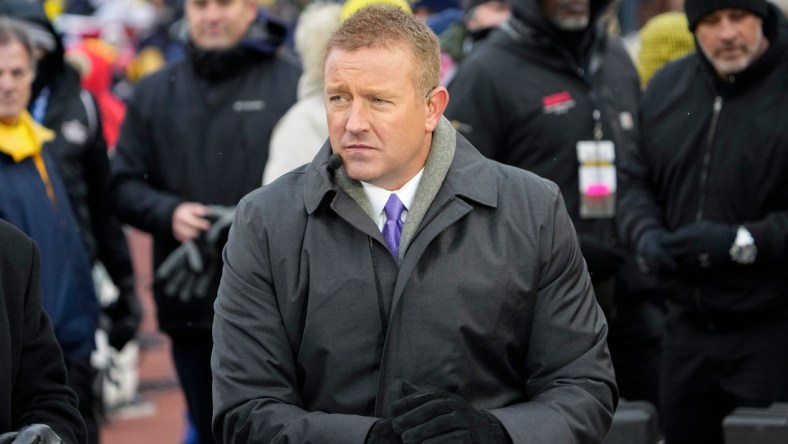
663 38
351 6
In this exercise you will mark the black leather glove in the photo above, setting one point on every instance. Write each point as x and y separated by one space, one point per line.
701 245
179 271
221 219
189 270
382 433
124 314
651 253
443 417
31 434
602 259
211 243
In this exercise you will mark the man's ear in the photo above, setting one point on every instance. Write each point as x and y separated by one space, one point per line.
251 11
436 105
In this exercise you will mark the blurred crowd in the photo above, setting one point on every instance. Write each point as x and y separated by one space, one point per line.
147 113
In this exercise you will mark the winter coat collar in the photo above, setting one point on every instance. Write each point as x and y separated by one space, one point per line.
454 169
29 143
536 39
264 37
530 13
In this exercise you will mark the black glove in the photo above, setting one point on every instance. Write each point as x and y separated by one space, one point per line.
221 219
189 270
443 417
651 253
125 314
382 433
210 244
180 270
602 259
31 434
701 245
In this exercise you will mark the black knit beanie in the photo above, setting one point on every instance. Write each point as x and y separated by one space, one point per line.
697 9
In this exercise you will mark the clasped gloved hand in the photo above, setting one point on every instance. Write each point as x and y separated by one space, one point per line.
443 417
189 270
652 255
124 314
701 245
602 259
382 433
31 434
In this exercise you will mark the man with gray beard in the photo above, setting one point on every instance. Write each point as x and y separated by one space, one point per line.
705 203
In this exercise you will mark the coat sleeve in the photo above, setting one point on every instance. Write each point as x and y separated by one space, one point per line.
40 394
136 200
570 385
638 209
771 236
256 391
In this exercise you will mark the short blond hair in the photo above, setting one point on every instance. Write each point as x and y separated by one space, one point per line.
384 26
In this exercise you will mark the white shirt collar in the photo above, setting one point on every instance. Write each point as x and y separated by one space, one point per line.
379 196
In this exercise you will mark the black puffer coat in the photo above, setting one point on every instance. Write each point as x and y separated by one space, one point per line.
715 150
198 131
527 96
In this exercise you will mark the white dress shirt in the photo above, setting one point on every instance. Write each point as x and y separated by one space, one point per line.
379 196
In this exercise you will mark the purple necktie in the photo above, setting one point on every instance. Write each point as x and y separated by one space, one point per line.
392 229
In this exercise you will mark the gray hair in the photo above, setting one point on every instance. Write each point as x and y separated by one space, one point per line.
16 31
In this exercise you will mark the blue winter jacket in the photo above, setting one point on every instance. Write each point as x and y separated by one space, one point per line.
67 286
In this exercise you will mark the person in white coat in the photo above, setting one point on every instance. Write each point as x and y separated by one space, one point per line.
303 129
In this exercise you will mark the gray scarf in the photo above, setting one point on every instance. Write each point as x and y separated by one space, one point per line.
444 141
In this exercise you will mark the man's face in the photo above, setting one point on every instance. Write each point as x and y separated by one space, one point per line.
731 38
567 15
219 24
379 122
16 78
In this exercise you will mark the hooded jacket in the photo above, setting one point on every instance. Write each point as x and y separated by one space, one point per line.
197 131
528 96
717 150
317 325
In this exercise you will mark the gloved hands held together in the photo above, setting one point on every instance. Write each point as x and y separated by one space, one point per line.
652 256
437 416
701 245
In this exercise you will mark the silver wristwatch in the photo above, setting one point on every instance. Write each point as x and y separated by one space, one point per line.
743 251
